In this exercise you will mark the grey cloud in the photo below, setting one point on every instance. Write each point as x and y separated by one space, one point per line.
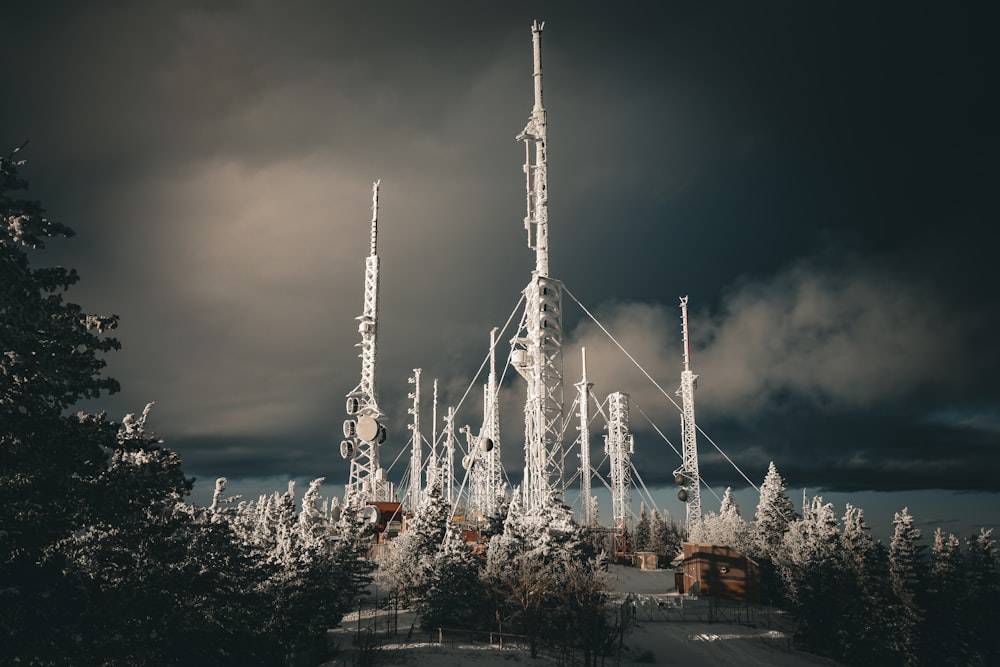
845 335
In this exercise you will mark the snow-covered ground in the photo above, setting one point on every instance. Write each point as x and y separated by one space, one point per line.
722 644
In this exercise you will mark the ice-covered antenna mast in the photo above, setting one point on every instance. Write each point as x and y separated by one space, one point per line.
364 434
687 475
584 387
537 349
416 451
536 221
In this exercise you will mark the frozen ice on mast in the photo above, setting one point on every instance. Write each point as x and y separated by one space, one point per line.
537 349
687 476
363 432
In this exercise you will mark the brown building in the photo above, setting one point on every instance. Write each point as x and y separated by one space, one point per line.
713 570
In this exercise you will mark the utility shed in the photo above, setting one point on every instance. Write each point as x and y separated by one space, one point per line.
719 571
646 560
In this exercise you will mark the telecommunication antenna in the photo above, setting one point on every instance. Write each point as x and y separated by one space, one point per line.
584 388
620 445
687 476
416 452
448 472
537 349
363 433
483 460
434 474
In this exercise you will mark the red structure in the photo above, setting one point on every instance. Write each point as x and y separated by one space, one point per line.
712 570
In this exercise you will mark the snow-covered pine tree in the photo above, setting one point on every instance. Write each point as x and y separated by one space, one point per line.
731 520
906 578
947 591
535 571
51 356
981 613
643 535
452 597
705 531
666 536
159 577
314 526
808 564
725 528
863 636
774 514
406 568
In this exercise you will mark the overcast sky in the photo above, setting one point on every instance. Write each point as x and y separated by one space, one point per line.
819 178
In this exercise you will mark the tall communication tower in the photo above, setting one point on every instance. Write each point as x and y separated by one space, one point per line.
483 460
537 349
448 465
416 452
363 433
584 388
620 445
687 475
433 477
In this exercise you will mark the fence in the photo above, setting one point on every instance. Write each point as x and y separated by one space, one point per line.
684 609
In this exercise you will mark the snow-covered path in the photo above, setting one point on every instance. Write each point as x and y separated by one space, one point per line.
718 644
651 642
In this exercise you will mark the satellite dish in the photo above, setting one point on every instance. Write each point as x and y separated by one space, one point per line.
468 461
347 449
353 405
381 434
368 428
370 514
485 444
350 428
680 479
682 495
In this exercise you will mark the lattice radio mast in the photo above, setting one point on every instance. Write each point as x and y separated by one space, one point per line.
687 475
584 388
364 434
486 473
416 453
537 350
620 445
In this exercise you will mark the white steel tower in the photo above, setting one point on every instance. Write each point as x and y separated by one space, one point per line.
448 471
364 434
416 452
619 446
587 499
491 435
537 353
433 476
483 459
687 475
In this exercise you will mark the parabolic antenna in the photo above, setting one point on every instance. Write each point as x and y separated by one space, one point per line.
368 428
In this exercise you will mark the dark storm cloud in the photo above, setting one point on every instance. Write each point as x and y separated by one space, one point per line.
814 178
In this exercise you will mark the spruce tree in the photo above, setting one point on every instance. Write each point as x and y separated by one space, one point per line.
51 356
982 599
775 513
452 597
406 569
545 577
906 578
808 564
865 586
947 593
643 536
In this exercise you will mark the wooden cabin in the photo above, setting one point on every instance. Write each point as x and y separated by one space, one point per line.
713 570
